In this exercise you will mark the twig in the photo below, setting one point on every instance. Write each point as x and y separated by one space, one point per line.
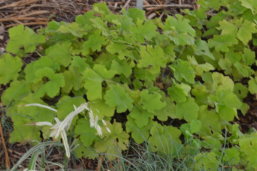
7 161
99 164
21 19
126 4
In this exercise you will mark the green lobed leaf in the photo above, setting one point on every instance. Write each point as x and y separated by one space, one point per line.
94 78
187 110
9 68
117 97
23 38
151 101
50 83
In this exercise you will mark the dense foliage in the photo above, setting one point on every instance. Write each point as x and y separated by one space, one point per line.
139 75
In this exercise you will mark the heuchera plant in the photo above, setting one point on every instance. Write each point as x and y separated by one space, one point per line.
142 73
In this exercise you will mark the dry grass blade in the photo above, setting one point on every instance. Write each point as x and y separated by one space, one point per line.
7 161
156 7
27 24
21 19
19 4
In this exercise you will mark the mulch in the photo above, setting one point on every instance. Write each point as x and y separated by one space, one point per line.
37 13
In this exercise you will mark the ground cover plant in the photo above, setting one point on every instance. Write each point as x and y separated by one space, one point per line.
138 77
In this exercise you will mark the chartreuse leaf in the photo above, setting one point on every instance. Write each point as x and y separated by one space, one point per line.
23 38
72 80
41 63
179 92
122 67
232 156
119 48
248 57
144 30
222 42
138 134
50 83
164 139
85 20
152 56
65 105
203 49
94 78
179 30
183 70
200 93
101 8
187 110
60 53
26 115
17 90
117 97
200 68
241 91
133 94
114 141
9 68
253 85
169 111
242 28
151 101
250 4
101 109
135 14
84 151
85 132
227 27
95 42
195 126
248 145
140 115
72 28
206 161
146 74
81 63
